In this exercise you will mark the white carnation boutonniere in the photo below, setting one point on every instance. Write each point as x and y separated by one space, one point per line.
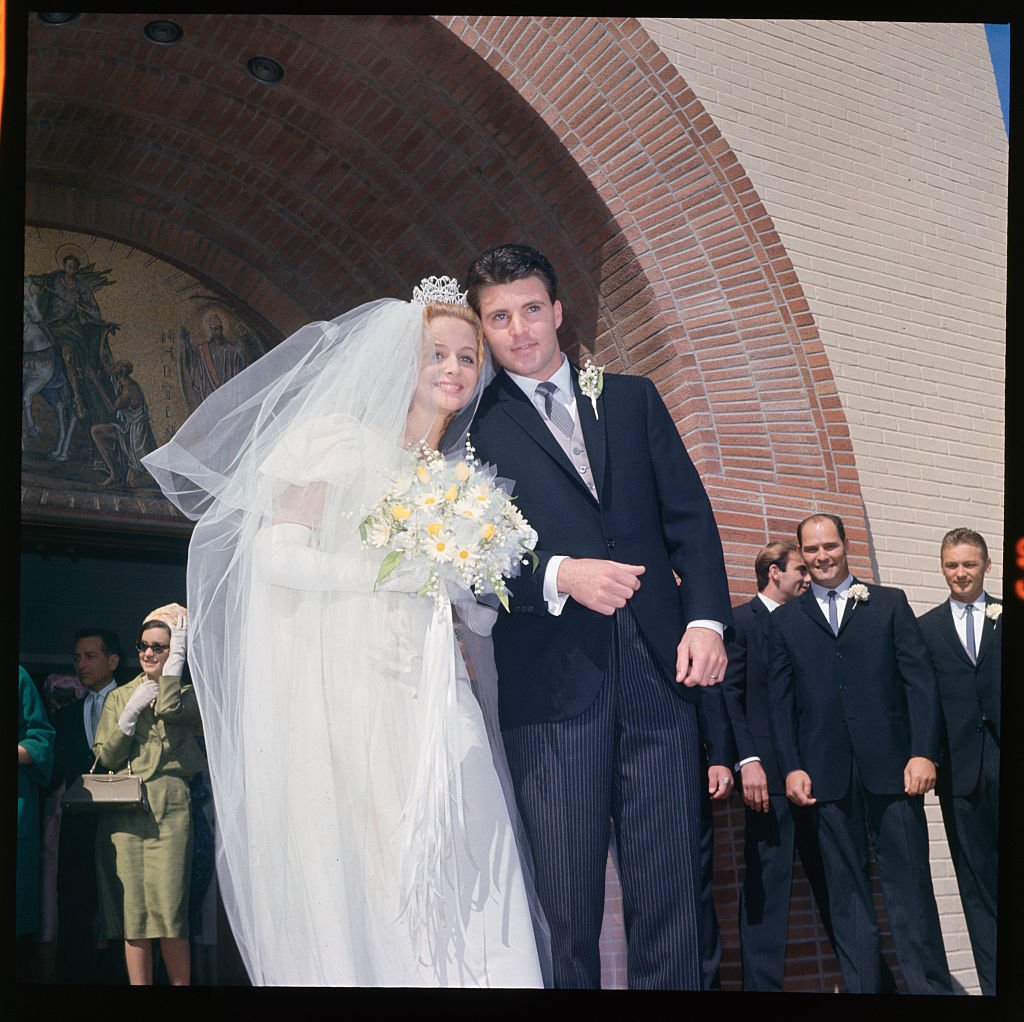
858 592
993 611
592 383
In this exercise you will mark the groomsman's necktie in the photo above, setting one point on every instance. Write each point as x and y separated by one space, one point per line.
972 649
555 411
833 612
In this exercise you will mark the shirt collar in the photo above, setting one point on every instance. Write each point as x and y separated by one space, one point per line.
978 604
103 692
821 593
561 378
768 602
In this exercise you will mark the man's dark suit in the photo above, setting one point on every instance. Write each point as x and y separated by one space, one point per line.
968 782
771 838
653 511
851 710
77 958
719 750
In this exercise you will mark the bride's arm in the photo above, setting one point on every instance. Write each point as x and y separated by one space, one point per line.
284 556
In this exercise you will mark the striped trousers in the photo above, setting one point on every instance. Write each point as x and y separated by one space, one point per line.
631 760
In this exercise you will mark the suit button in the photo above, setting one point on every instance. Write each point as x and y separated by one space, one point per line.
611 544
979 729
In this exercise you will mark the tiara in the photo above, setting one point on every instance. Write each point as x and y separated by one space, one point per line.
444 290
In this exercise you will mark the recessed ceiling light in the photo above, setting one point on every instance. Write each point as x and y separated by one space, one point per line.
265 69
163 31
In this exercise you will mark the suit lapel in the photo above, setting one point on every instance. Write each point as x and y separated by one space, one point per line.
851 607
953 640
988 631
521 411
761 624
593 431
809 605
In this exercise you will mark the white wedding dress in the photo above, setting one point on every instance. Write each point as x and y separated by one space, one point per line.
366 836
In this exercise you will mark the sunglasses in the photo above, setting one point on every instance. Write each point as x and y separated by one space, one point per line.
156 647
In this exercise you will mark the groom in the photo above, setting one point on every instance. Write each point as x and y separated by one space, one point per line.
601 659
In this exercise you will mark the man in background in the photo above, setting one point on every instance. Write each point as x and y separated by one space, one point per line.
773 828
79 958
964 639
855 720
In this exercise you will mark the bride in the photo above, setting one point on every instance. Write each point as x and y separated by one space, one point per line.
367 835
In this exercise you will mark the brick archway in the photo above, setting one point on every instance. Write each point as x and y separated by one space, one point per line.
388 153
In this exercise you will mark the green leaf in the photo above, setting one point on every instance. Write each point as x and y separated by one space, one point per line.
534 559
362 527
388 565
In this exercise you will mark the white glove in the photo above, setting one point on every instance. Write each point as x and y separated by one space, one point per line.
145 694
179 647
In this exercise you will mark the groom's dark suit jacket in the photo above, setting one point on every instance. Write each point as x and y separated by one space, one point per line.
867 695
969 694
653 511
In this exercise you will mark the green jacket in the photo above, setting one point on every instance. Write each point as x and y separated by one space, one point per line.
164 743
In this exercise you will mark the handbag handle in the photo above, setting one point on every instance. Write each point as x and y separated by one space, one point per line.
92 769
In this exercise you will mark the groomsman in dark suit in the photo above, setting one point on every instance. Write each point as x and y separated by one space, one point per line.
719 756
774 828
964 637
855 720
97 654
599 659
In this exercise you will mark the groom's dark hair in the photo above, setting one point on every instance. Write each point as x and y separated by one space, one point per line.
505 264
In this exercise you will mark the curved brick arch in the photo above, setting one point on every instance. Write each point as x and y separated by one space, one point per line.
389 152
697 290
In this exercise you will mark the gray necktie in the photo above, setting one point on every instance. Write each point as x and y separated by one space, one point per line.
969 620
833 612
95 707
555 411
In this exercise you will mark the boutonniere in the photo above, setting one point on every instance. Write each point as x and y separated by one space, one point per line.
858 593
993 611
592 383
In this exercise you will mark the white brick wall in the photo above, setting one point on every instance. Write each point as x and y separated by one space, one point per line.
879 151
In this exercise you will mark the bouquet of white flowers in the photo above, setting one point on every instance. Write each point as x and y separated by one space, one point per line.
455 520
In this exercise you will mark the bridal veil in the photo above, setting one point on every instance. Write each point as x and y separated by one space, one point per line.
323 696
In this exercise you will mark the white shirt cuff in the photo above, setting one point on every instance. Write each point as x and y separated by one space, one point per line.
552 597
715 626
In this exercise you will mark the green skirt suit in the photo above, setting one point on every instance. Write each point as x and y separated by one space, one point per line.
143 860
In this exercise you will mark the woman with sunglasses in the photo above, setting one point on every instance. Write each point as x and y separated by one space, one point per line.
144 859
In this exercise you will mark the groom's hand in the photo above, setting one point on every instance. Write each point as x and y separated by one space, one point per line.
700 657
600 585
